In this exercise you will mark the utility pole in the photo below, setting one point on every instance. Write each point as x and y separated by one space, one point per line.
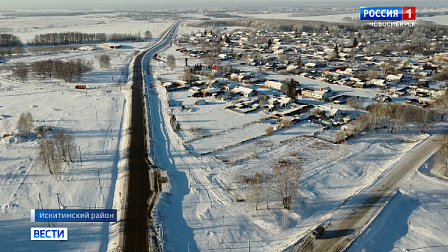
407 235
249 240
223 229
80 156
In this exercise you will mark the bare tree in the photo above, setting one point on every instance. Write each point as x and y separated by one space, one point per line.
46 153
355 102
171 61
340 136
255 189
60 142
442 104
18 49
70 147
269 130
399 113
147 35
441 161
210 78
287 175
25 124
188 75
359 124
424 118
21 71
285 123
104 61
262 99
6 126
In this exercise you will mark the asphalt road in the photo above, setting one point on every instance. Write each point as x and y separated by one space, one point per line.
136 226
348 221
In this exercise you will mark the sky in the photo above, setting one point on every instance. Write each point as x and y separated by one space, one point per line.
171 4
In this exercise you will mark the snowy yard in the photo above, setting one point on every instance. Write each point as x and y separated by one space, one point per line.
95 118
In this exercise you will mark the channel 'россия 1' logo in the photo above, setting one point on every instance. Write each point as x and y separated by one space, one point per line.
387 13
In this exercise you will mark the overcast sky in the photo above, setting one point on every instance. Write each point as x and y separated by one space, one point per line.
172 4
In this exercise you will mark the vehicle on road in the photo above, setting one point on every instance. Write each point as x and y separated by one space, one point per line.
318 232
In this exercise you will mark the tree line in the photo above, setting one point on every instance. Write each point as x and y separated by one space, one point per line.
9 40
390 116
69 71
65 38
422 30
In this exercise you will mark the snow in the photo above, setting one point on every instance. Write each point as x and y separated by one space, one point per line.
27 27
95 117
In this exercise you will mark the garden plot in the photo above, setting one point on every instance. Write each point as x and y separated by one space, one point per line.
211 118
227 138
254 147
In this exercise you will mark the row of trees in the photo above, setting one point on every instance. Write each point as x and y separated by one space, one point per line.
69 71
422 30
441 158
52 152
9 40
65 38
392 116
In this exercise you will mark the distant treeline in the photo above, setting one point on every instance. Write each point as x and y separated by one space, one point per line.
9 40
284 25
53 13
65 38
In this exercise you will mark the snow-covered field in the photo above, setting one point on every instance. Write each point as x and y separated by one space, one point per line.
98 121
95 117
27 27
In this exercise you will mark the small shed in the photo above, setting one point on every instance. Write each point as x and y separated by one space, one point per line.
201 102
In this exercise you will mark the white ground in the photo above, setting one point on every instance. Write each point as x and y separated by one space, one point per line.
96 116
23 178
27 27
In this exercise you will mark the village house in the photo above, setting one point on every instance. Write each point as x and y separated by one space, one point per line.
243 91
330 112
281 101
394 78
320 94
275 85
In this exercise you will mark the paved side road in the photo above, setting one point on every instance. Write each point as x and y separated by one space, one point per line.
348 222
